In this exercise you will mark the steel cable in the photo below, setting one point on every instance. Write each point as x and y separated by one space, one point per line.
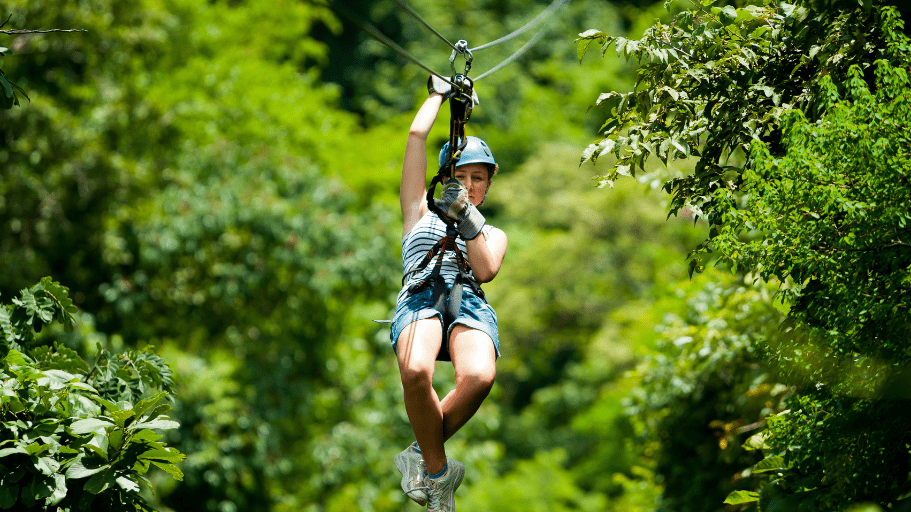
423 22
518 53
379 36
547 12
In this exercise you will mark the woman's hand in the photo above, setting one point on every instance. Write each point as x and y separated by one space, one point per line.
456 205
437 85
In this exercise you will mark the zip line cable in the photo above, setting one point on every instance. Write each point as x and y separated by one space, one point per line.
518 53
379 36
552 8
423 22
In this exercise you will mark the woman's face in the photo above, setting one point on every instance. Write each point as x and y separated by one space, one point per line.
476 179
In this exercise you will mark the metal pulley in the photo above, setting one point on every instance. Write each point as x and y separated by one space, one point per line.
461 48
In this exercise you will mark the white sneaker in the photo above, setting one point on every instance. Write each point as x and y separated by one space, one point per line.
411 466
441 491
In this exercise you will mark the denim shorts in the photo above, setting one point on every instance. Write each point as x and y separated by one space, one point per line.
474 313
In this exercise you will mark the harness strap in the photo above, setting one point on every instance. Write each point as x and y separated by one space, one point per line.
447 243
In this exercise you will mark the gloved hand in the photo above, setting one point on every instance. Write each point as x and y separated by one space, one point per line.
437 85
456 205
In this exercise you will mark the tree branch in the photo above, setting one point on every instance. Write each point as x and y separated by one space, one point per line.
27 31
14 32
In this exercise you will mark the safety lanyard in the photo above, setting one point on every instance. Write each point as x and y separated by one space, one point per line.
460 105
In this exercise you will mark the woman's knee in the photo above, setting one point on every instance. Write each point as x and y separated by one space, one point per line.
416 350
474 358
480 377
416 375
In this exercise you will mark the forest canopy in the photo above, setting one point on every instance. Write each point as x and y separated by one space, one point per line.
212 189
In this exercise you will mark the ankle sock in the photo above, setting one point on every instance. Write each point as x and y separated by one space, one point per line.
416 448
441 473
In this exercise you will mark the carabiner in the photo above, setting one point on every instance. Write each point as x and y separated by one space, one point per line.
461 47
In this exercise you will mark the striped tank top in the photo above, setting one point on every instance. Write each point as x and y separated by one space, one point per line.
418 242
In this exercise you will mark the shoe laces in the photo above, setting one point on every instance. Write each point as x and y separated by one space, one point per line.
420 488
435 502
435 497
424 488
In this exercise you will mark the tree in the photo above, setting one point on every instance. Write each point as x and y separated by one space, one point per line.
801 173
838 200
74 437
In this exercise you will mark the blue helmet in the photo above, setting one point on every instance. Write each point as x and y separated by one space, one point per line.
475 152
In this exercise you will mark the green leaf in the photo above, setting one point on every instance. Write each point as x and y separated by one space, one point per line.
592 34
79 470
83 386
55 379
691 267
127 484
164 455
161 423
46 465
147 435
121 416
726 15
9 451
90 425
36 448
756 442
58 491
21 91
740 497
14 358
9 493
65 306
681 146
115 439
144 405
7 98
38 489
774 463
100 481
6 326
586 39
170 469
110 406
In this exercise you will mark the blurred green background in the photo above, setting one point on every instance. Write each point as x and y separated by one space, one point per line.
218 179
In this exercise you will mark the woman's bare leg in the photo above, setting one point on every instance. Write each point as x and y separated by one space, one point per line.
474 360
417 349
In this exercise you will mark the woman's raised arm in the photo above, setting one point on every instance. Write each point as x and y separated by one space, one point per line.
413 189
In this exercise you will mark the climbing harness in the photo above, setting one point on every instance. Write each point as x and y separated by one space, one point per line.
448 301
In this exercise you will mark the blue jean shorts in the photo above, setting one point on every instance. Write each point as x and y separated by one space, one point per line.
474 313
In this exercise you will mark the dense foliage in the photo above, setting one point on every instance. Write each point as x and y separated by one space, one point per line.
74 437
802 174
849 260
219 179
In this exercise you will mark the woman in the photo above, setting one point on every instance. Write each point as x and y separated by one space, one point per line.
422 334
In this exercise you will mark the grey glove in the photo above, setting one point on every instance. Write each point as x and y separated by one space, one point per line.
460 210
437 85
